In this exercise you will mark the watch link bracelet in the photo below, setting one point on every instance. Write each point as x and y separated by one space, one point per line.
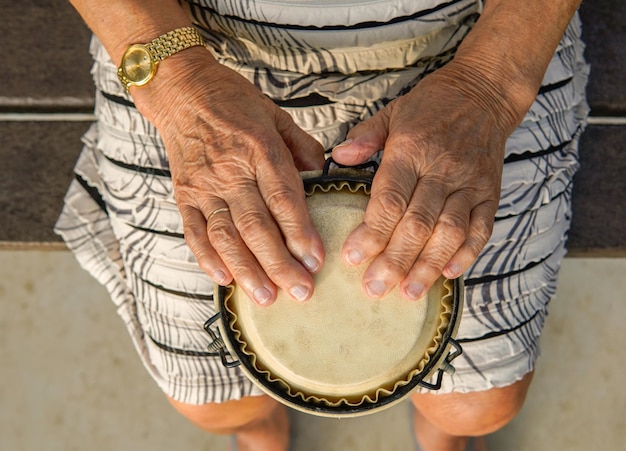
140 61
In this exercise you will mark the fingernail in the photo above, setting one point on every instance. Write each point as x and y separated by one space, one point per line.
453 270
376 288
415 290
345 143
354 257
301 293
311 263
220 277
262 295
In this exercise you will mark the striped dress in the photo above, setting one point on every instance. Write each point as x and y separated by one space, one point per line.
329 64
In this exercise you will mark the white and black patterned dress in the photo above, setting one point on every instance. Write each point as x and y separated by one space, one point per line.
330 64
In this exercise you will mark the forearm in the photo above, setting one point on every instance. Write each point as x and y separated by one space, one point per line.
119 23
509 50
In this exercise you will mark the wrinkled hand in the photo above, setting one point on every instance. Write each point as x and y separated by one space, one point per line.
231 148
435 195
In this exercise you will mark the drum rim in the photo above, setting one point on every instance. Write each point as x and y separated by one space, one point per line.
278 392
343 409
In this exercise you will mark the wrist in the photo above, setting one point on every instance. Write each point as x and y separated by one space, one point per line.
140 62
507 63
171 82
490 88
120 23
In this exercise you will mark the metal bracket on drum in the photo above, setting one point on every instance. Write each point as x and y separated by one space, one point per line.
445 366
326 176
218 345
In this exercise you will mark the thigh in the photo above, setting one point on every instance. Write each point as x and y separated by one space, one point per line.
475 413
225 418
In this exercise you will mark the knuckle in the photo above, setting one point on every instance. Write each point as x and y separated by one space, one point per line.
191 229
243 268
278 271
376 244
370 239
194 231
478 238
259 140
259 233
274 269
391 193
282 201
453 229
221 232
397 264
251 222
434 262
392 202
420 224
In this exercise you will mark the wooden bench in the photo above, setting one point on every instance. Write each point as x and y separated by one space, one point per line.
46 97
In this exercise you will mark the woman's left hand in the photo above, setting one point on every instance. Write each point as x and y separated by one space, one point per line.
436 193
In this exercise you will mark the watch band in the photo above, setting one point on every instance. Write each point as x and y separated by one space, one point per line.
173 42
157 50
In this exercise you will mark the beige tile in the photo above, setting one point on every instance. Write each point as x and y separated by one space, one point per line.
577 400
386 430
70 379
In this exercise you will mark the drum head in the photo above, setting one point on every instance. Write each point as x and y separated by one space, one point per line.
340 353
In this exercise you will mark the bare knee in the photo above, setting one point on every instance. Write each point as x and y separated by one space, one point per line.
228 417
473 414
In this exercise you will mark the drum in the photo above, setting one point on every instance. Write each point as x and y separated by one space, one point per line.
341 353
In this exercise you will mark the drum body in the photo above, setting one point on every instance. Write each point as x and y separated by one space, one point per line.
341 353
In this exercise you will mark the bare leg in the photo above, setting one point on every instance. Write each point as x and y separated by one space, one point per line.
446 422
259 422
430 437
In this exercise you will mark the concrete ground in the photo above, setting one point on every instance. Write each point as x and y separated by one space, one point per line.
69 378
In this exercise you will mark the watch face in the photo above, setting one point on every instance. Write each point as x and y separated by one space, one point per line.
138 65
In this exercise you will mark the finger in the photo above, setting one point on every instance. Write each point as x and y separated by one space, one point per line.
282 191
480 229
408 239
392 191
363 141
307 153
246 270
449 234
195 231
263 238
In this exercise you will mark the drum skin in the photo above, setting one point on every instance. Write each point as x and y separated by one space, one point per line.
341 353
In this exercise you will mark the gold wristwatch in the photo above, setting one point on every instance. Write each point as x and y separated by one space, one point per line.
140 61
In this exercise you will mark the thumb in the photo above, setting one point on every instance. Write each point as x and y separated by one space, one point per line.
363 141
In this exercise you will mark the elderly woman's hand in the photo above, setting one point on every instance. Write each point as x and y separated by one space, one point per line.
234 158
435 195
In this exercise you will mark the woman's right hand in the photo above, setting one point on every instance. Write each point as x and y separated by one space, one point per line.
230 147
